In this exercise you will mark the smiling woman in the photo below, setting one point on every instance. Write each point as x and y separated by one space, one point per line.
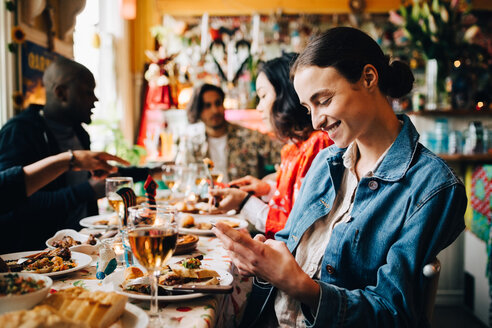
352 250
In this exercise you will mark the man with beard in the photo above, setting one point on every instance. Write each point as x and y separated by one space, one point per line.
235 151
42 131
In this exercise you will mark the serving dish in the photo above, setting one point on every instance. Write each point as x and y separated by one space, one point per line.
77 236
81 260
113 283
186 244
102 221
13 302
212 220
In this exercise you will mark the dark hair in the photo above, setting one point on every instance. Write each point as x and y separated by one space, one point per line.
348 50
288 117
195 106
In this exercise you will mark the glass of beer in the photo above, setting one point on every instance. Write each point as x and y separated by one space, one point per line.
153 233
115 201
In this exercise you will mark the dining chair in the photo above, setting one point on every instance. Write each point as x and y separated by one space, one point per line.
431 272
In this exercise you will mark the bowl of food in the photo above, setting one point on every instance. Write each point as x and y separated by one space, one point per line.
75 241
19 291
186 244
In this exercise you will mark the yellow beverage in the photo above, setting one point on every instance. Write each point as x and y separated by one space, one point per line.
167 145
200 181
217 177
169 183
152 247
115 203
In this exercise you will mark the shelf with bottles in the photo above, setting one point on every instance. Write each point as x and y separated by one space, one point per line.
471 159
451 113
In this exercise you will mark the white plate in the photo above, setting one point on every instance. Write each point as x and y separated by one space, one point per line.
211 219
133 317
114 280
91 221
82 248
82 260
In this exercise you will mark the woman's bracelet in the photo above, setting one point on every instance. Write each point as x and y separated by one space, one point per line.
245 200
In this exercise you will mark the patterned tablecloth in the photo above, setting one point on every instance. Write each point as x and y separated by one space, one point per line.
207 311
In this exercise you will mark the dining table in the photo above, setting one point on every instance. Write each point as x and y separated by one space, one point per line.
213 310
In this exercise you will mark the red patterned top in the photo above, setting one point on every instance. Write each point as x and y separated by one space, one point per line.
295 162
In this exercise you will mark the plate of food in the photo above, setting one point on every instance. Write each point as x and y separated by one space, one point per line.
55 262
102 221
76 306
75 241
183 280
200 224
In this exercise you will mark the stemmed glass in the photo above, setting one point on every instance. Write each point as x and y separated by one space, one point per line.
115 201
153 232
169 175
199 171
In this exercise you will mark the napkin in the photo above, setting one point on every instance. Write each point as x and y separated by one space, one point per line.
150 187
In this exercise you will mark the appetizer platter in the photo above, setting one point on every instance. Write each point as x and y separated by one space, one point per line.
102 221
203 224
75 241
55 262
183 280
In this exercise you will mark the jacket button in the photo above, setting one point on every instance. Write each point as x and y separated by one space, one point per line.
330 269
373 185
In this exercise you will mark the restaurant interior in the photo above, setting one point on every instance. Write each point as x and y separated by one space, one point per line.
148 57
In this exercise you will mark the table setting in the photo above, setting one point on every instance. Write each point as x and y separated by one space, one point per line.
185 277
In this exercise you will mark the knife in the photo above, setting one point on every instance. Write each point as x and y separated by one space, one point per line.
209 289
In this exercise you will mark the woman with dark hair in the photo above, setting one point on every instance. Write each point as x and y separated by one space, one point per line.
283 115
373 210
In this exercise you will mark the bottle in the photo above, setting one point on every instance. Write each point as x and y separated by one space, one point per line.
455 143
441 127
474 138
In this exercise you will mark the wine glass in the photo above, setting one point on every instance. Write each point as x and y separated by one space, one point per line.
169 175
153 233
115 201
199 171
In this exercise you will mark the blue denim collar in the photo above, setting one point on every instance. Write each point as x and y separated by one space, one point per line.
397 161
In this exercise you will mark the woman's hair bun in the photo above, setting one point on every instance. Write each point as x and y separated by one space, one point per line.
400 79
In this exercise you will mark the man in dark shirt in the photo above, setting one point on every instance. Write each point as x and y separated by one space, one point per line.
42 131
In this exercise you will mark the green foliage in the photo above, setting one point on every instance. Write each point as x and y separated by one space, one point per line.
119 146
10 5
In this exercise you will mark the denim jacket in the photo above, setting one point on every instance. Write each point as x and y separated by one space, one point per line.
402 217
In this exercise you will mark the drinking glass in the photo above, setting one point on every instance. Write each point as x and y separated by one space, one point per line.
217 176
115 200
169 175
200 172
153 232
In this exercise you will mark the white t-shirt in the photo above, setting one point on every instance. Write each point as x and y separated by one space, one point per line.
218 150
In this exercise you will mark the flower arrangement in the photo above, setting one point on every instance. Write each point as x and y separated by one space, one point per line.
441 30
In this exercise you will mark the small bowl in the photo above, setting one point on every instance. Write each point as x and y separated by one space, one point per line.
188 247
83 248
26 301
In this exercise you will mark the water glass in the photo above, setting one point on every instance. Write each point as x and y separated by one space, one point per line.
115 201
